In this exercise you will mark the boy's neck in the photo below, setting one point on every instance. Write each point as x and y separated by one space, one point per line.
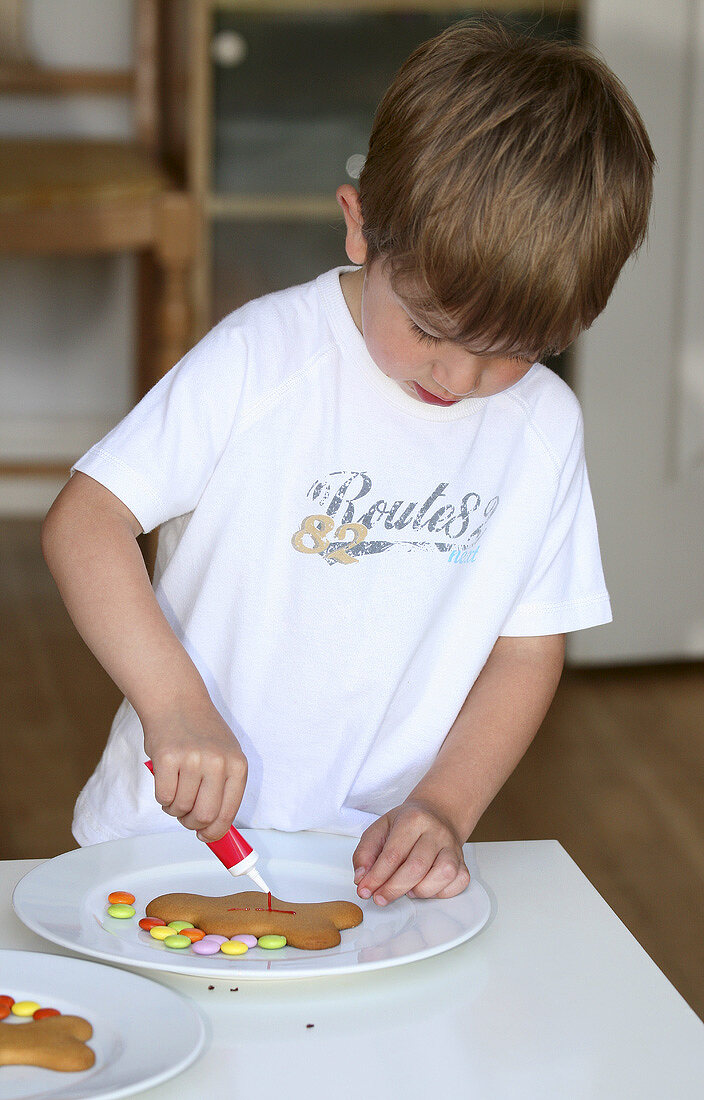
351 283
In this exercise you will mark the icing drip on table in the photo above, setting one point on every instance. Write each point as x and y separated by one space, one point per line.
246 909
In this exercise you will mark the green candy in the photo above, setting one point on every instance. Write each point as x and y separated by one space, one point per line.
272 943
176 941
179 925
120 910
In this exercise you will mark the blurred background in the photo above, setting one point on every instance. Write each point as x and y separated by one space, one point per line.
162 163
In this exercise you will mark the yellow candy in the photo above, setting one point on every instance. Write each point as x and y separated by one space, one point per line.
25 1008
233 947
161 931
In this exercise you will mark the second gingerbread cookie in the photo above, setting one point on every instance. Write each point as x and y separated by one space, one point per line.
312 926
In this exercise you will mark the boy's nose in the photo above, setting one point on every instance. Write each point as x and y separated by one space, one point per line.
459 381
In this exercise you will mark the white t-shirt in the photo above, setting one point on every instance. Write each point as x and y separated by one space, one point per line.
337 557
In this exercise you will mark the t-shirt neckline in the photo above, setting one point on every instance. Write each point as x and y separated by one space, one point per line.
353 348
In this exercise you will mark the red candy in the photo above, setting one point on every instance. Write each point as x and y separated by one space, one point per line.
4 1011
193 934
5 1001
147 923
121 897
42 1012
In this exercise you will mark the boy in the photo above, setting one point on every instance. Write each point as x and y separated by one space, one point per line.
376 523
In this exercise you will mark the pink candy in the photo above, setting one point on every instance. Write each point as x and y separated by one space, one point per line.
251 941
209 945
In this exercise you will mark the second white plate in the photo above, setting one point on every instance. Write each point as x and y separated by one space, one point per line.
65 900
143 1034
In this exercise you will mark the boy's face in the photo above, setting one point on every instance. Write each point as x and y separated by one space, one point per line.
431 369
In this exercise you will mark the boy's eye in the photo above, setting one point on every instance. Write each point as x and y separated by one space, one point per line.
426 337
423 335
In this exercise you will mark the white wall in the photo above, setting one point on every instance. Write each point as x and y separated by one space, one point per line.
639 370
66 323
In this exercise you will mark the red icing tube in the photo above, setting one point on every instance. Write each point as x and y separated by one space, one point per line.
233 851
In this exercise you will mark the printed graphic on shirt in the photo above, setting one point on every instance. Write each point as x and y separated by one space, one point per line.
352 523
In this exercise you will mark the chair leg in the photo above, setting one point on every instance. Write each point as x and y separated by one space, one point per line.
174 253
148 297
164 306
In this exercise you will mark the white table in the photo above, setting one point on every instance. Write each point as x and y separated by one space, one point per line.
553 1000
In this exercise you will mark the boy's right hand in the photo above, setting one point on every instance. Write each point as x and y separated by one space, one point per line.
200 771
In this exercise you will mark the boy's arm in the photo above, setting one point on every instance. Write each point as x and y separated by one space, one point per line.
89 543
417 846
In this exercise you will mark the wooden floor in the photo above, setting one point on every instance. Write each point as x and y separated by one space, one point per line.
614 775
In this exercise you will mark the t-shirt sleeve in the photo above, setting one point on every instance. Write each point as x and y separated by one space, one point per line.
159 458
566 589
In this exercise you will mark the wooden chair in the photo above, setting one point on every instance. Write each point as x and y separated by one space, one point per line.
81 197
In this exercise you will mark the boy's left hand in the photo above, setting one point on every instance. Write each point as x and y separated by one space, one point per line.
412 850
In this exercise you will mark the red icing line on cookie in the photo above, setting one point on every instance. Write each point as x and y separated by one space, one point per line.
289 912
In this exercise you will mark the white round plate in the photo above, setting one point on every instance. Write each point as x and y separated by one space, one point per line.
65 901
143 1034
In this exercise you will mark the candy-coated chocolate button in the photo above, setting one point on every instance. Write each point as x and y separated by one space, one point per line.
41 1013
177 941
147 923
6 1000
179 925
214 936
233 947
271 943
25 1008
121 896
194 934
121 911
251 941
160 932
206 947
4 1011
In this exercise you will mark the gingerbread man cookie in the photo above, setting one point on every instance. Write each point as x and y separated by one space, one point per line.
312 926
54 1042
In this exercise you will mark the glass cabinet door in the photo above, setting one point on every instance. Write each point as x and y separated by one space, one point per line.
294 99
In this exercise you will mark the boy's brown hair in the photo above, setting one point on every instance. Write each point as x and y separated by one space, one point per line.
508 180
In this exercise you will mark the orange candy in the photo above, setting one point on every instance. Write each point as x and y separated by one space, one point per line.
194 934
4 1011
42 1012
6 1001
121 897
147 923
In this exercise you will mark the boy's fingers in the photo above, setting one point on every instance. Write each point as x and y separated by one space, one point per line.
206 805
165 782
447 877
458 886
399 843
369 847
409 873
231 799
186 793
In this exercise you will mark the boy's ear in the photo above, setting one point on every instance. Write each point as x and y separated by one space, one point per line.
355 244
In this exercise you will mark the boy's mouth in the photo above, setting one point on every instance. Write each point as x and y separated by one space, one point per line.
431 398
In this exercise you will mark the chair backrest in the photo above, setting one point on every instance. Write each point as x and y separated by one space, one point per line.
20 75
